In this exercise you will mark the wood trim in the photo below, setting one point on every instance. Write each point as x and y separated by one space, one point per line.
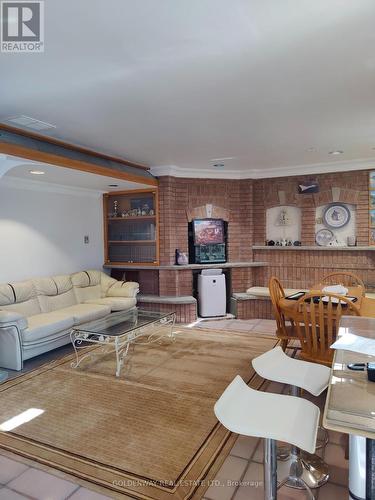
41 156
58 142
157 221
370 229
105 228
133 191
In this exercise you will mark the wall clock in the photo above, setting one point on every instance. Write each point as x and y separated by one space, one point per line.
336 216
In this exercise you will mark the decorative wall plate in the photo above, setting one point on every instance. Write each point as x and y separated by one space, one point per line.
336 216
324 237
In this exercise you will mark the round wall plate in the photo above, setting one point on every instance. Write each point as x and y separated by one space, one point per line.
324 237
336 216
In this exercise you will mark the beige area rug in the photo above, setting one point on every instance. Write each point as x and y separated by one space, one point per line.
150 433
253 326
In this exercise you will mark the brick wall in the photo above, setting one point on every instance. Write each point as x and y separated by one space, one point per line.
185 313
353 188
303 268
176 195
246 202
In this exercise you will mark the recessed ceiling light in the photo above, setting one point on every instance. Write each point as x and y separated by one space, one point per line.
113 185
338 152
311 150
37 172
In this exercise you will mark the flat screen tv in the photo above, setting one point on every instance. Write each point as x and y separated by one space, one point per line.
208 231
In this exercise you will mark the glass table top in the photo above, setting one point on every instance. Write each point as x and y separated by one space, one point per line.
122 322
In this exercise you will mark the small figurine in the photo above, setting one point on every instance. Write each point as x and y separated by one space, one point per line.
115 208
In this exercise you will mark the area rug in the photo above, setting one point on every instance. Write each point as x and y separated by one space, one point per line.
152 432
252 326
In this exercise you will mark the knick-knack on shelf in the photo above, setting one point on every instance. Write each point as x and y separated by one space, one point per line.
115 208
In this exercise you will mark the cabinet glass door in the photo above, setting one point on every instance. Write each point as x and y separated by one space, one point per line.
132 227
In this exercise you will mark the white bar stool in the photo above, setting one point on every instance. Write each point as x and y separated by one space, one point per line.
252 413
277 366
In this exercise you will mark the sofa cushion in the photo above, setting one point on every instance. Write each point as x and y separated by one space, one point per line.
87 285
82 313
115 303
46 324
55 292
20 298
123 289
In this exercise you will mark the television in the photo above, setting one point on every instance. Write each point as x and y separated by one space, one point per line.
208 231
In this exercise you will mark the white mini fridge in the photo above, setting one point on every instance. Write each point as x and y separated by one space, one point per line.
212 293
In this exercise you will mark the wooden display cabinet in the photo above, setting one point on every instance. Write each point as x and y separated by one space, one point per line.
131 229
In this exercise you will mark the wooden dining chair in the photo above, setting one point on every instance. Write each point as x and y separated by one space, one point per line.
317 317
345 278
285 332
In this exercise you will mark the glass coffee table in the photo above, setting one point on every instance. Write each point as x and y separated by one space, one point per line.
118 331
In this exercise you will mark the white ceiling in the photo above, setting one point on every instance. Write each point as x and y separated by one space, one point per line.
182 82
67 177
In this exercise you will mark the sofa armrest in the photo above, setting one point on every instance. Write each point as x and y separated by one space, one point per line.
8 318
123 289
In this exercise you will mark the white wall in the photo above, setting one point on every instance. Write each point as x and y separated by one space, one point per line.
275 232
42 227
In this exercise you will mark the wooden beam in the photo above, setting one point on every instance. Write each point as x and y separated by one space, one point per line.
73 147
62 161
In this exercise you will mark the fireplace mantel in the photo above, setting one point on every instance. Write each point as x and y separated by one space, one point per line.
224 265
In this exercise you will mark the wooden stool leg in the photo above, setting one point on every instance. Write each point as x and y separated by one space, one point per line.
346 436
284 344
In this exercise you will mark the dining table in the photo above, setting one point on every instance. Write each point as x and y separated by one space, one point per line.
350 407
365 305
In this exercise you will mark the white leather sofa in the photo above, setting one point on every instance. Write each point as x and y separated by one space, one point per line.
38 315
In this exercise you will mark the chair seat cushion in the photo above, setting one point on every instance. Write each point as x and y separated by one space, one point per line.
46 324
115 303
82 313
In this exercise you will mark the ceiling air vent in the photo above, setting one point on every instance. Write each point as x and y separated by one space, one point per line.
28 122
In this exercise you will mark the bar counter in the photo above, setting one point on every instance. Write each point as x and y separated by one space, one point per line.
350 407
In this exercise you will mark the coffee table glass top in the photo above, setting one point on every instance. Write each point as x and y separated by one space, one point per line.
122 322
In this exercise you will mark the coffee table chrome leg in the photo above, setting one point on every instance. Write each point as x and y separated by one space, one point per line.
77 344
120 355
171 323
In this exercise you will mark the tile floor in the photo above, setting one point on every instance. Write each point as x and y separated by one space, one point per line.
240 477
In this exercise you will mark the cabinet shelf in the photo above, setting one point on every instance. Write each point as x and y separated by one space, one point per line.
134 217
136 242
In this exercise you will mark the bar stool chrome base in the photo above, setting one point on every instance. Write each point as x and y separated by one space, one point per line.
303 469
284 450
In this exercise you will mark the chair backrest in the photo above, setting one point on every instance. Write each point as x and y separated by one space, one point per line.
277 293
317 317
345 278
